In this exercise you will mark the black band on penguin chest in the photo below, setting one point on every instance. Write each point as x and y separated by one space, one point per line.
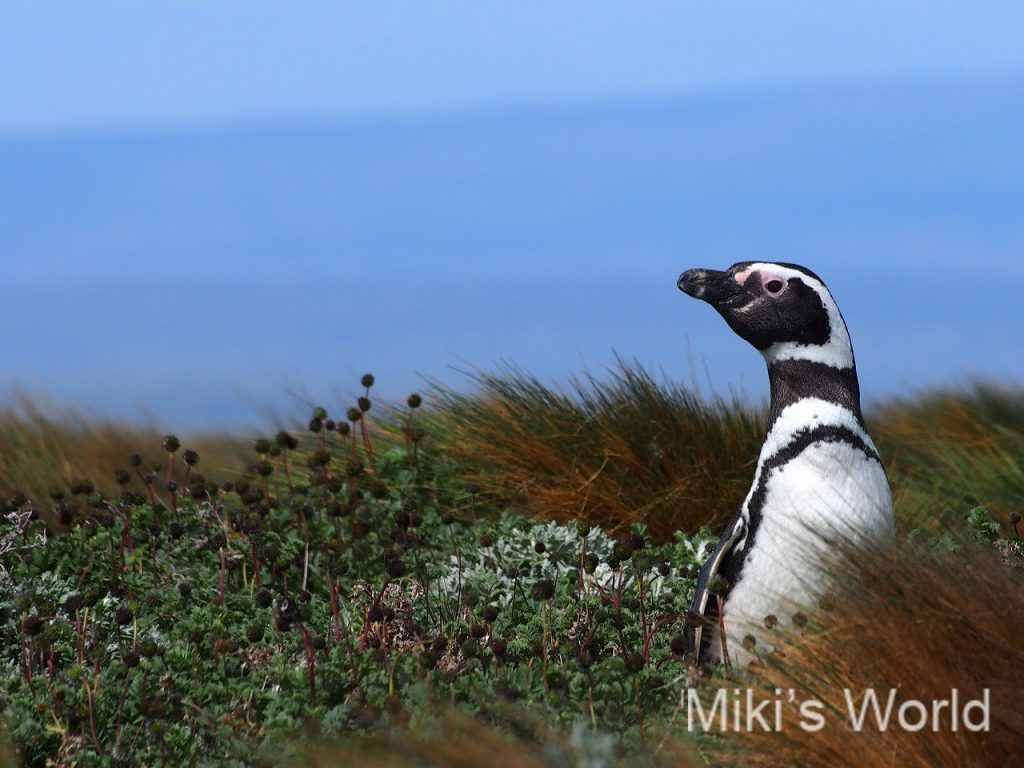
795 380
732 565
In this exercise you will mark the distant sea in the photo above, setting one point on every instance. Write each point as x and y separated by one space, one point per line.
215 279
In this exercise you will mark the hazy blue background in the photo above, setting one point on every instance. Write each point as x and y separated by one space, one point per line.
203 208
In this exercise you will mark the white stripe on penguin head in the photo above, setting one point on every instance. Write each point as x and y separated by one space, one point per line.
836 352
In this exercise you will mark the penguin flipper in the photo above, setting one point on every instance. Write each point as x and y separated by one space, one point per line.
697 615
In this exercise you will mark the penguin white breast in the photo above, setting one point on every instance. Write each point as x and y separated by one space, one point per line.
831 490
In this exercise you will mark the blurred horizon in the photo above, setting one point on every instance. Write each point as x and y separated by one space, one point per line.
201 213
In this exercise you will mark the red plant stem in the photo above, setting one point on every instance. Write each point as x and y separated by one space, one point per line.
26 654
721 630
92 718
654 630
366 443
255 567
617 603
120 708
80 635
170 467
310 661
223 571
643 603
333 587
149 488
126 538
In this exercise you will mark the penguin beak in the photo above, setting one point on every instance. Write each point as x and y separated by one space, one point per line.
709 285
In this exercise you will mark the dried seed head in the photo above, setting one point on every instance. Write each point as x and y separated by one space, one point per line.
72 603
414 401
190 457
134 460
679 645
170 443
81 488
367 380
286 440
364 404
543 589
634 663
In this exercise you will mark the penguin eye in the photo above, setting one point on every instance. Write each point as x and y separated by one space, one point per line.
774 286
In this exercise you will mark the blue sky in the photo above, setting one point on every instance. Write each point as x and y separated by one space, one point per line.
205 208
109 65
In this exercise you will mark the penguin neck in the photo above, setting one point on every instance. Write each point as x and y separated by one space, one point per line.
795 380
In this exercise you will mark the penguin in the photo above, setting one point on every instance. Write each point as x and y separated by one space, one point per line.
819 477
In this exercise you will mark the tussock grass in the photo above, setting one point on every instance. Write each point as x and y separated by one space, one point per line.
953 450
45 447
633 447
611 451
922 621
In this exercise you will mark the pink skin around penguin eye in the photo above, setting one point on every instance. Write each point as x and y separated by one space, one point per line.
770 282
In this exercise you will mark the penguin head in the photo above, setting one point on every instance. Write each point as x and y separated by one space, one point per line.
784 310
